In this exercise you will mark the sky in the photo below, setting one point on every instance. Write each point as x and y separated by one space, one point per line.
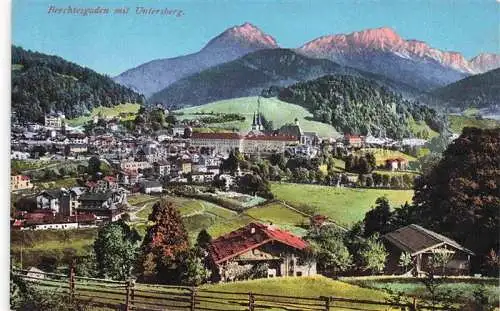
112 43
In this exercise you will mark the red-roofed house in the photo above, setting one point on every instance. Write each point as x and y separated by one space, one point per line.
355 141
256 245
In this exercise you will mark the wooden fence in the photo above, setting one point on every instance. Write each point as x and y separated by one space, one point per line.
128 296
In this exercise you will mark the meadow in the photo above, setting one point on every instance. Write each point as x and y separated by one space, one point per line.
343 205
462 288
279 112
457 123
106 112
383 154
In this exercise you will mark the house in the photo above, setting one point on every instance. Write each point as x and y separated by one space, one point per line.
47 221
106 206
283 253
20 182
54 120
162 168
35 273
355 141
422 244
152 186
19 155
396 164
51 200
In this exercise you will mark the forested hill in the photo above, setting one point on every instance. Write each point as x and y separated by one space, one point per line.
43 83
359 106
479 91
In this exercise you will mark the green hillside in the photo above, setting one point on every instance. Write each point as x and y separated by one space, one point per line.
343 205
274 110
106 112
306 287
44 83
457 123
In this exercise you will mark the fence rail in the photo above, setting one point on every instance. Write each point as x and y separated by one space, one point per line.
128 296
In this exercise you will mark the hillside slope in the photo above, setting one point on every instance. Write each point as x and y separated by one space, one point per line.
279 112
359 106
249 75
479 91
43 83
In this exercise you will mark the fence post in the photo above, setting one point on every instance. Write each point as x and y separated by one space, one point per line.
72 283
413 306
193 298
327 302
251 301
127 296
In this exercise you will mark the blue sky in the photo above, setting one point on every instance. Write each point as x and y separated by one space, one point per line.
114 43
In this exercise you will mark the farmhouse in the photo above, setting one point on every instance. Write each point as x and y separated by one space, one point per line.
396 164
422 244
260 247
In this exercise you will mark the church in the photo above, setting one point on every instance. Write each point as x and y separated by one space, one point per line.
256 141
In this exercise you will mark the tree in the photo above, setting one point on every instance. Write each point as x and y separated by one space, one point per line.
203 239
255 185
231 163
194 272
115 250
459 198
378 219
163 246
94 165
373 254
328 246
405 261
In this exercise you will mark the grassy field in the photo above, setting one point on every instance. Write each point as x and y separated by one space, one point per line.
60 183
457 123
418 127
461 288
383 154
274 110
305 287
106 112
343 205
44 245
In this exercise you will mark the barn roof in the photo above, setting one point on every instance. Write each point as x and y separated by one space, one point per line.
249 237
415 239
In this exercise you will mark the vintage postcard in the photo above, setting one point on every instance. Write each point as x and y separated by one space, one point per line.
255 155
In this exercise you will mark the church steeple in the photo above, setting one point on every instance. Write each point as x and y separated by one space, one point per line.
254 123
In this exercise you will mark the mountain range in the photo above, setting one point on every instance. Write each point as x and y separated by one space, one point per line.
381 51
233 43
257 71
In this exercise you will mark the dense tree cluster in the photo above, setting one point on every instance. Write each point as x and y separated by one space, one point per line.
460 197
359 106
42 83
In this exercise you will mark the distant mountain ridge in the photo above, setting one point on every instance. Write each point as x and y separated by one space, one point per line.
381 51
254 72
233 43
384 52
480 91
44 83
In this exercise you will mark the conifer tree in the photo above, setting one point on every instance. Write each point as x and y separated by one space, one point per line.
164 245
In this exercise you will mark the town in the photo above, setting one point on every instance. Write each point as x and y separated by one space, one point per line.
198 162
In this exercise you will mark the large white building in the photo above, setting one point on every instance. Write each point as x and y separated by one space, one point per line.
226 142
